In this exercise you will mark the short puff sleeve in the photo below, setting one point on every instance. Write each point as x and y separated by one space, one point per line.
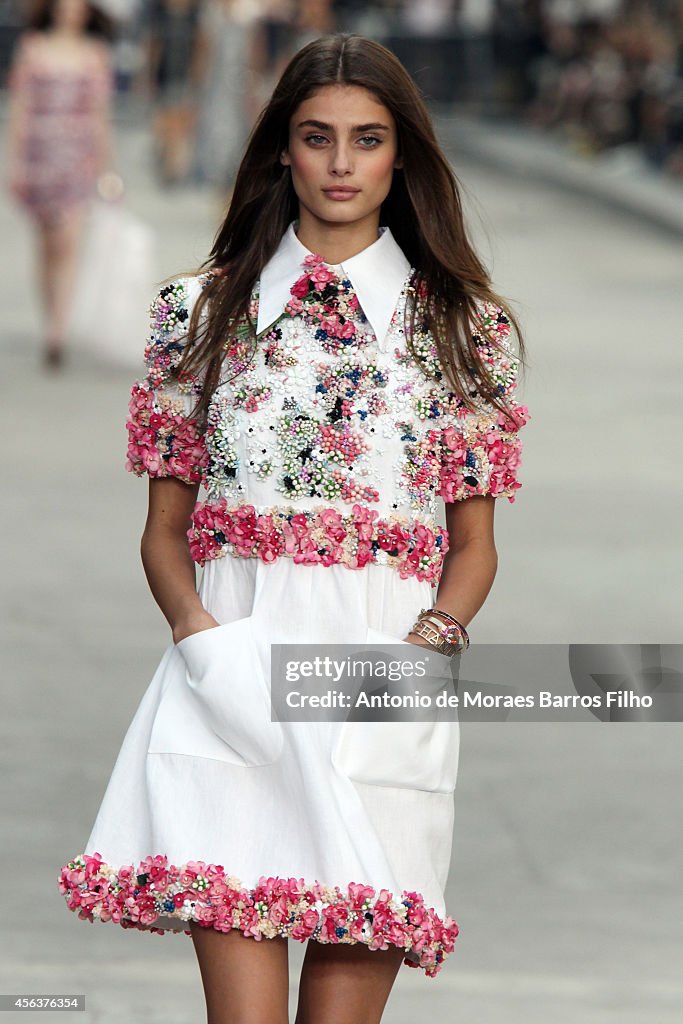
480 450
163 438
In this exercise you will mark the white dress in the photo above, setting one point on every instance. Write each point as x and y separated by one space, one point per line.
321 464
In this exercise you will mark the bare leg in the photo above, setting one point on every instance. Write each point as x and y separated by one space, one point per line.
246 980
178 156
346 984
59 250
44 261
47 258
174 126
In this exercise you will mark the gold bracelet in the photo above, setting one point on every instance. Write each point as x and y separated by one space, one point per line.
448 628
451 634
434 611
426 629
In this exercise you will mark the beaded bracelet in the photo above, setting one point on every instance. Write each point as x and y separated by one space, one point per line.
444 637
450 632
451 618
434 637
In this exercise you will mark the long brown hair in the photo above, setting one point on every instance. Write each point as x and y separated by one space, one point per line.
423 210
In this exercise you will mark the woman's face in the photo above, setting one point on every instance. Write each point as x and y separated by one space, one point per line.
342 136
71 14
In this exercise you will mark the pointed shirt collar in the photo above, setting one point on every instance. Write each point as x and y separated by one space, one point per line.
377 275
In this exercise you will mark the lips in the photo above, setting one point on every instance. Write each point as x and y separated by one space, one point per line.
341 193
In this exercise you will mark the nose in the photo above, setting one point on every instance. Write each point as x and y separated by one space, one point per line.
341 161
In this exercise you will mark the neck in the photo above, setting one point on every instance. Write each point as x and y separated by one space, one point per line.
336 242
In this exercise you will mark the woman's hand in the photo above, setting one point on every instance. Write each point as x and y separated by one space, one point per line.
193 624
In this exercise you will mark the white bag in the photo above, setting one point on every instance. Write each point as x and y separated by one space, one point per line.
114 281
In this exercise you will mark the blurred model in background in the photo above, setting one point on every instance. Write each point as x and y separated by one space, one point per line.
312 18
59 141
283 27
177 54
225 115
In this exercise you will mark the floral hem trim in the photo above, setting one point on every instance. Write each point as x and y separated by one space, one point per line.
322 536
286 907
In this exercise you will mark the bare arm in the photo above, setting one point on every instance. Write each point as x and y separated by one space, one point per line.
492 440
256 70
103 99
145 84
202 57
16 116
166 556
471 561
15 128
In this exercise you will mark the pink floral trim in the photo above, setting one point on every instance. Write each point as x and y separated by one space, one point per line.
484 458
318 537
161 441
287 907
328 303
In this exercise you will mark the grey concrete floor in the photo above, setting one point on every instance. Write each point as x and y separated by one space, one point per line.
566 872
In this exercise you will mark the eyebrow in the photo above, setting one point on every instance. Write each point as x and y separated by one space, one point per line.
375 126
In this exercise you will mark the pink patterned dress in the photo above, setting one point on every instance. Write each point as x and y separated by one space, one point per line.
321 461
63 112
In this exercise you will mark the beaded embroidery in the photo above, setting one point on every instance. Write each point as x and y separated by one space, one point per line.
318 537
328 303
162 440
319 418
138 896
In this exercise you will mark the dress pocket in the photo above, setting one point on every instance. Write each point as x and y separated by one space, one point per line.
217 703
416 754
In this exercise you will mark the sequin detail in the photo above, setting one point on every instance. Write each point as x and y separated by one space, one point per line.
316 413
329 304
136 897
163 440
482 458
318 537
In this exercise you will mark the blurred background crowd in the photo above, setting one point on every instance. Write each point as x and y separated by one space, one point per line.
591 77
599 74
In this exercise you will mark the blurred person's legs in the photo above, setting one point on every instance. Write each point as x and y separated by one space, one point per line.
654 128
174 135
59 239
674 161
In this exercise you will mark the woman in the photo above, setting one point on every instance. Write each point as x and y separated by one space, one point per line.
302 378
59 143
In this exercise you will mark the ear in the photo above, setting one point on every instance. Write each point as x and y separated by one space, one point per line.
284 158
398 163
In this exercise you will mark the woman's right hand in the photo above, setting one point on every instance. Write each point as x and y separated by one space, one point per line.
193 624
